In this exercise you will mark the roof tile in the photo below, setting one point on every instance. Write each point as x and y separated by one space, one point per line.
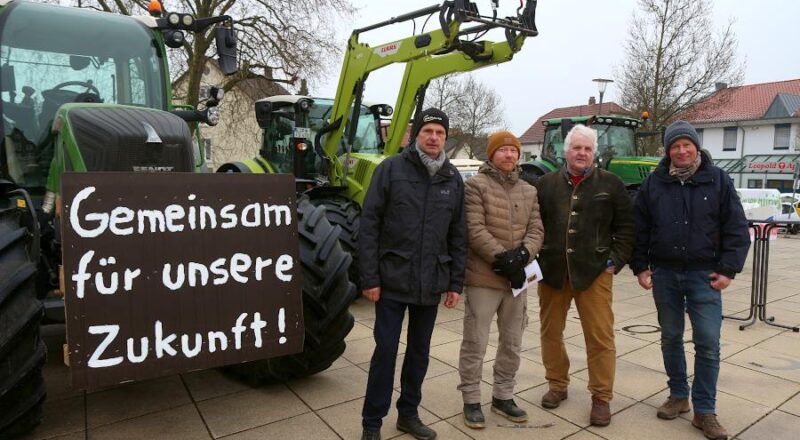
741 103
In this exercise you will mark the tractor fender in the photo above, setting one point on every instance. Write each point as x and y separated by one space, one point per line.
257 165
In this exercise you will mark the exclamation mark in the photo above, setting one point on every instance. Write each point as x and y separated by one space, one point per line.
282 325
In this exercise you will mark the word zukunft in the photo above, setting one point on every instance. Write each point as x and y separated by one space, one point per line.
173 218
168 344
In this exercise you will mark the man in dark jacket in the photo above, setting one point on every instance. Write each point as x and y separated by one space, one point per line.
691 240
588 237
412 249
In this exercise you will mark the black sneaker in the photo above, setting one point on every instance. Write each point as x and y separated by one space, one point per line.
473 416
509 410
415 427
369 434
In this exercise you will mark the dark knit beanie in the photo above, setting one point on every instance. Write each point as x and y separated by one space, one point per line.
678 130
430 116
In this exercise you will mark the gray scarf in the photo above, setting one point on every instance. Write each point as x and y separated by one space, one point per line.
683 174
433 165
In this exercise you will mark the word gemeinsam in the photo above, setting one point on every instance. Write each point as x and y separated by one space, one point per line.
171 272
173 217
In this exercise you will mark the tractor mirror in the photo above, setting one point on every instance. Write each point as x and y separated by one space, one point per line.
226 49
566 126
7 80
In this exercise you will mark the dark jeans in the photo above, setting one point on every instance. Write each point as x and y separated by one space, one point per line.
676 293
388 323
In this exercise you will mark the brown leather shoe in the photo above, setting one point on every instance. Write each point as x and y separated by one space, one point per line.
672 408
710 426
552 399
601 412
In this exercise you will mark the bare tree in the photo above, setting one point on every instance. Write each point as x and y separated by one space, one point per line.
278 39
674 59
474 109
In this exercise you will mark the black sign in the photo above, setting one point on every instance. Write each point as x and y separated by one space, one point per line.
171 272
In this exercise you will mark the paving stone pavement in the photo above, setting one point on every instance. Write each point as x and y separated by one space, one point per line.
758 398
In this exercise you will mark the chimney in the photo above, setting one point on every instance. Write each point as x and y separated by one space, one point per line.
720 85
592 101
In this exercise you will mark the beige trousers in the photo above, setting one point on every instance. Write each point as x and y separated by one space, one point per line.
480 307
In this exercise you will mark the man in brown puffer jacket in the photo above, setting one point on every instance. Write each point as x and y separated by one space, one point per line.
504 232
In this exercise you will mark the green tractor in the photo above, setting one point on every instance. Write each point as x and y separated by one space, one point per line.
617 148
87 91
333 146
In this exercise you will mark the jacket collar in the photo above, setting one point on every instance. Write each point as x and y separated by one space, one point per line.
411 154
490 170
566 174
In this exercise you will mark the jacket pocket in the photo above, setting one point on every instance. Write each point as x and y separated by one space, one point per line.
395 269
442 274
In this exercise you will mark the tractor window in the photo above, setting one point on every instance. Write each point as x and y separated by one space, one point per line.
614 140
278 143
553 146
367 139
83 58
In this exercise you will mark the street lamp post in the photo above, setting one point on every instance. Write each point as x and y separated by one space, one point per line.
602 83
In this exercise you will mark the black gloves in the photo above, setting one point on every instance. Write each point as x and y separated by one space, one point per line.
510 263
517 278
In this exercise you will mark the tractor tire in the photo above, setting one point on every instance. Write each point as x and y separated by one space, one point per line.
22 352
346 214
530 173
327 294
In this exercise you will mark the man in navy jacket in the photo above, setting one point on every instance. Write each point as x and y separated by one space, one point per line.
412 250
691 240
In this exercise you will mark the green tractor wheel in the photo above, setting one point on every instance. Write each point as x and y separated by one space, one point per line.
327 294
531 172
346 214
22 352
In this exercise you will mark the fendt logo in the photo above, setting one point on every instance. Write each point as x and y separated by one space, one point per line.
388 49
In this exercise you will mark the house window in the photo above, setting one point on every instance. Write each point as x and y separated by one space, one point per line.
782 136
754 183
781 185
729 139
700 135
526 156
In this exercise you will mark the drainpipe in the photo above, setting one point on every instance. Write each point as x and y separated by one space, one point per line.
741 156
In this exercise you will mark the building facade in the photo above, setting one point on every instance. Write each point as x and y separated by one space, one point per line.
753 132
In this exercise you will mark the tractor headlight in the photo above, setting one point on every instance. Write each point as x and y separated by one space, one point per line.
174 39
212 116
187 20
387 110
216 93
173 19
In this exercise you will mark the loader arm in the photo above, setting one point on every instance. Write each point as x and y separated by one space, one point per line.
421 54
420 72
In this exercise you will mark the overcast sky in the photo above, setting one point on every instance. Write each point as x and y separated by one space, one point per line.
578 40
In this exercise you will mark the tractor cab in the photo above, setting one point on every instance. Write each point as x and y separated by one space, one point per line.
81 57
615 137
617 149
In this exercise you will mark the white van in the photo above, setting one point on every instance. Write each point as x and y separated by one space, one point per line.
467 167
